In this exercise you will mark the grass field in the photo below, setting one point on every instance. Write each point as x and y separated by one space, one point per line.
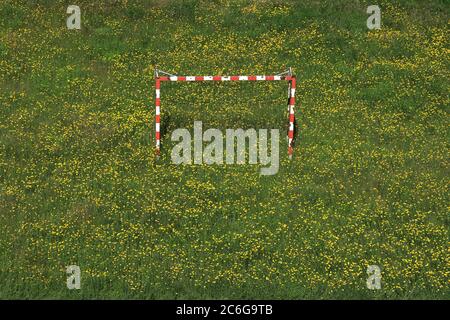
368 184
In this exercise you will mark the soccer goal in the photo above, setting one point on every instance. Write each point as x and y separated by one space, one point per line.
161 76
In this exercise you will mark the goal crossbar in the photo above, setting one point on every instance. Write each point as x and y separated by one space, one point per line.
161 76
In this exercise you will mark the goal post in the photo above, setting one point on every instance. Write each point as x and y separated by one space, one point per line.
161 76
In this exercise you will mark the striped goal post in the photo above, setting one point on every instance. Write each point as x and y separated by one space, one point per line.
161 76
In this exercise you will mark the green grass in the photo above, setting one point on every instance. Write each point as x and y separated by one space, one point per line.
80 184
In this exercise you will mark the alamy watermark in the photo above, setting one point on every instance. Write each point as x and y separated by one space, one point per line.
235 147
73 277
74 20
374 279
374 20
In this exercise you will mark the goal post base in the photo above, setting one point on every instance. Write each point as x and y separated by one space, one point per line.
290 152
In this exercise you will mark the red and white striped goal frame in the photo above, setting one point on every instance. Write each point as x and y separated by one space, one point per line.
285 76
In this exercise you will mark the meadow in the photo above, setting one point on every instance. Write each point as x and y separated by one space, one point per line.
368 183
